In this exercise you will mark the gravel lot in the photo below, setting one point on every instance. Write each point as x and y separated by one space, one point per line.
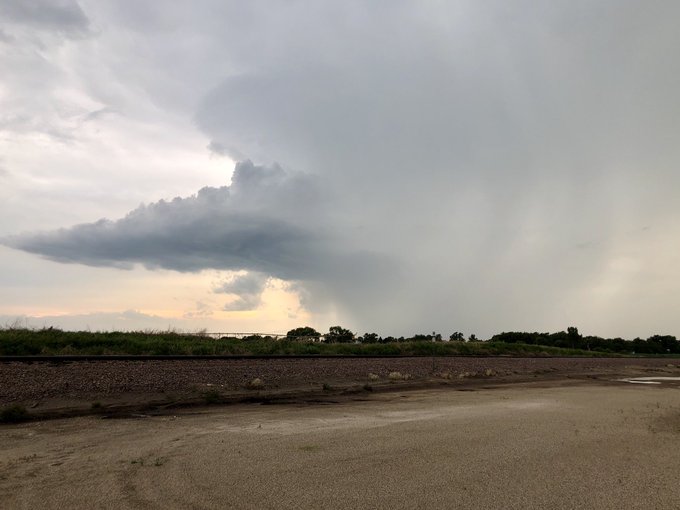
588 446
26 382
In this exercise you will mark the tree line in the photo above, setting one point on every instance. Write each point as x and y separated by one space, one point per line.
572 339
569 339
338 334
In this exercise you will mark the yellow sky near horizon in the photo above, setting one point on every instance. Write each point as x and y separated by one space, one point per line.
183 300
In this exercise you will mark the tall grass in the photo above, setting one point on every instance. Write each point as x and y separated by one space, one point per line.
24 341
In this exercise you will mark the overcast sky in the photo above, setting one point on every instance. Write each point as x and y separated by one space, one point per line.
389 166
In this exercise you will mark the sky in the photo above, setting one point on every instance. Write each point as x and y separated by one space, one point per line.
389 166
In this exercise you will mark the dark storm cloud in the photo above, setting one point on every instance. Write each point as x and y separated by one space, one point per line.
174 235
478 144
464 155
247 287
223 228
58 15
266 221
246 284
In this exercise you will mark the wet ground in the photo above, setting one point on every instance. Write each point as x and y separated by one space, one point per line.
570 444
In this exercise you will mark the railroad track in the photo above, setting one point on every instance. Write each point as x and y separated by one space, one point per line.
207 357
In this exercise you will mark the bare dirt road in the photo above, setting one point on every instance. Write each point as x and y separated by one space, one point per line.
586 445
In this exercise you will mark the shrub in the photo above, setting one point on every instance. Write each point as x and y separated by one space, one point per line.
256 384
212 397
14 414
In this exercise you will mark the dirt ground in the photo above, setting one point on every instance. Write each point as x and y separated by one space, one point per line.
548 444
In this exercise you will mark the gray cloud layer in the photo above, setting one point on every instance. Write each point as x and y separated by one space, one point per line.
505 153
248 288
477 165
60 15
248 225
267 221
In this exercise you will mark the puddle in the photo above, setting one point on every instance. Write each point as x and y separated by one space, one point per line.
648 380
334 419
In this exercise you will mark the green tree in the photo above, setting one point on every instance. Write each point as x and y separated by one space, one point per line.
574 337
457 337
337 334
663 344
371 338
305 333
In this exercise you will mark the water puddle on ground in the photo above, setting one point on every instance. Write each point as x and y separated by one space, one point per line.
324 419
648 380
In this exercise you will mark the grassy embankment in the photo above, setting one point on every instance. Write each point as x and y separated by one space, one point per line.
21 341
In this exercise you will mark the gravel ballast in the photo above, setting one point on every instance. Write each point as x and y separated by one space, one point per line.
24 382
